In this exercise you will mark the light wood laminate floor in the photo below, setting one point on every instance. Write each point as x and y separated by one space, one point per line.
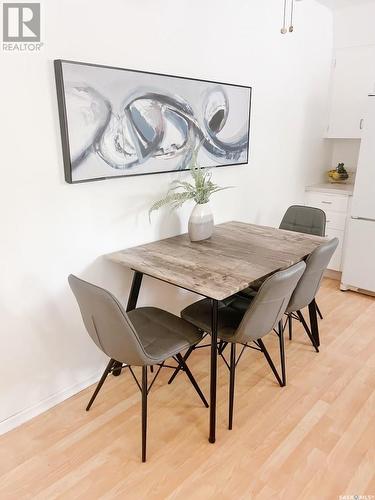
314 439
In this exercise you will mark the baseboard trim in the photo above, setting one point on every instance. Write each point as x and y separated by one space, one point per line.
26 414
333 275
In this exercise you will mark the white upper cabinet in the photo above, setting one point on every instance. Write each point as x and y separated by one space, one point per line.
353 78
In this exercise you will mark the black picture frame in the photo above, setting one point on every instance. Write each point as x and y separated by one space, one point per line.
64 125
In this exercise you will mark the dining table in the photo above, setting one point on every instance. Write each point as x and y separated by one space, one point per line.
236 255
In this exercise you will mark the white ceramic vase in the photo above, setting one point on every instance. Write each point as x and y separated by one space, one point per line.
201 222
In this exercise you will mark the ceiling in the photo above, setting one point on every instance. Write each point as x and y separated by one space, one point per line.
337 4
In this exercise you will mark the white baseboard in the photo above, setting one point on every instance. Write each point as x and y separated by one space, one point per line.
28 413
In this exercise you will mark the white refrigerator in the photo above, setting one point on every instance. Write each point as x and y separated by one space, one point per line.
359 255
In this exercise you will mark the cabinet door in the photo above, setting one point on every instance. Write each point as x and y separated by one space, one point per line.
335 207
335 263
363 196
328 201
353 78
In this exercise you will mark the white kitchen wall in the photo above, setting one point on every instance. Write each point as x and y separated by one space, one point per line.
50 229
354 24
345 151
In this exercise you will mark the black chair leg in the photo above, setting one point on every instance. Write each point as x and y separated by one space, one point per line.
232 372
318 311
186 356
117 367
282 353
144 412
290 324
222 346
307 330
191 378
269 360
314 322
101 382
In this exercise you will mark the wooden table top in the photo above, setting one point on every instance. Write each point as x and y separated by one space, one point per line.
236 255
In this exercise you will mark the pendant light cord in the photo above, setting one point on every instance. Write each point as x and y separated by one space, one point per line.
291 27
283 29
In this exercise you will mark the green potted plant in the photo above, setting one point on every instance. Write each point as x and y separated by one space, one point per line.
201 221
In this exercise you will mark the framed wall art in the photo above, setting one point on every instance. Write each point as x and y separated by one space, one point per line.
118 122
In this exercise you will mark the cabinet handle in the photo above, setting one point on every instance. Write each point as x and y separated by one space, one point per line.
361 123
327 202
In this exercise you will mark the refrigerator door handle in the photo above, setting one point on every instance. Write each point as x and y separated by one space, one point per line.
362 218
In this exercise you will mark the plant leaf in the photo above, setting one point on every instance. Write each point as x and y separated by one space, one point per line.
199 190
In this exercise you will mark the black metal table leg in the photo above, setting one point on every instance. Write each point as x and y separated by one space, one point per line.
144 412
213 374
232 374
132 303
282 353
134 291
314 322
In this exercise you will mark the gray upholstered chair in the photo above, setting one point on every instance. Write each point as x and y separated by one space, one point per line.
303 219
305 293
307 288
241 322
143 337
300 219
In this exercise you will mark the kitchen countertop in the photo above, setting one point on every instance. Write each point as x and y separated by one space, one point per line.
327 187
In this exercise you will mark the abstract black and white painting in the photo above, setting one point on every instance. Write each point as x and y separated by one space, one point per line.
117 122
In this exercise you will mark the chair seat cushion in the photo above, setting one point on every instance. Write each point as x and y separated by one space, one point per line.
230 314
161 333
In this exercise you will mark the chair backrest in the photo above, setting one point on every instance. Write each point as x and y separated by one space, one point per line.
107 323
308 286
302 219
269 304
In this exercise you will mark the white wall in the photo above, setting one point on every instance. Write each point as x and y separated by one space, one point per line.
354 24
50 229
345 151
